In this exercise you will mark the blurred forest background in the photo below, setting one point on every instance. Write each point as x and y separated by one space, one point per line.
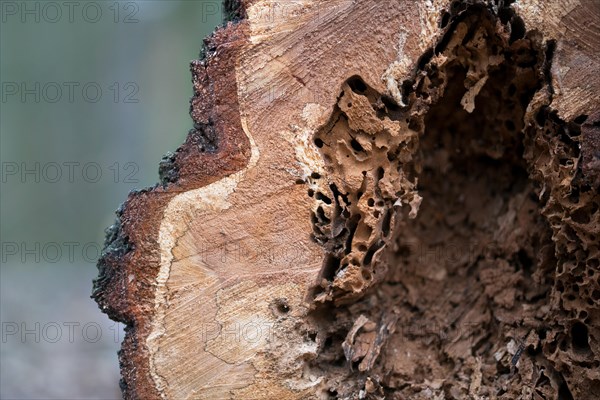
92 95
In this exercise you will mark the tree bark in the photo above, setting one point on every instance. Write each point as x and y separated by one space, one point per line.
378 199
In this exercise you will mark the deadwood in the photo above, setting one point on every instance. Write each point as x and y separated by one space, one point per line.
379 199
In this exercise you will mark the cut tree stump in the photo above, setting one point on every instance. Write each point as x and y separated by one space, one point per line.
379 199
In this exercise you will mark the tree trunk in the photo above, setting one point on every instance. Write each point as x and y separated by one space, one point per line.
379 199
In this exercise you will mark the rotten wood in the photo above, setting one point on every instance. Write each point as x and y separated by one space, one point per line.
431 166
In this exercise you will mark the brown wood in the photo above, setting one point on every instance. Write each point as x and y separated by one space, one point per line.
379 199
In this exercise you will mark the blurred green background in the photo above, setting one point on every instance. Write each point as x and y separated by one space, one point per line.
93 93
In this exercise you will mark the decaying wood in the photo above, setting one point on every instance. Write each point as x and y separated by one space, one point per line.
379 199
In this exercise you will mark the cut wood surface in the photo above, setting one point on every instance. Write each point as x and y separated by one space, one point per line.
379 199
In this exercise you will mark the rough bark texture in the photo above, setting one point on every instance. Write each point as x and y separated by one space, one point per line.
379 199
